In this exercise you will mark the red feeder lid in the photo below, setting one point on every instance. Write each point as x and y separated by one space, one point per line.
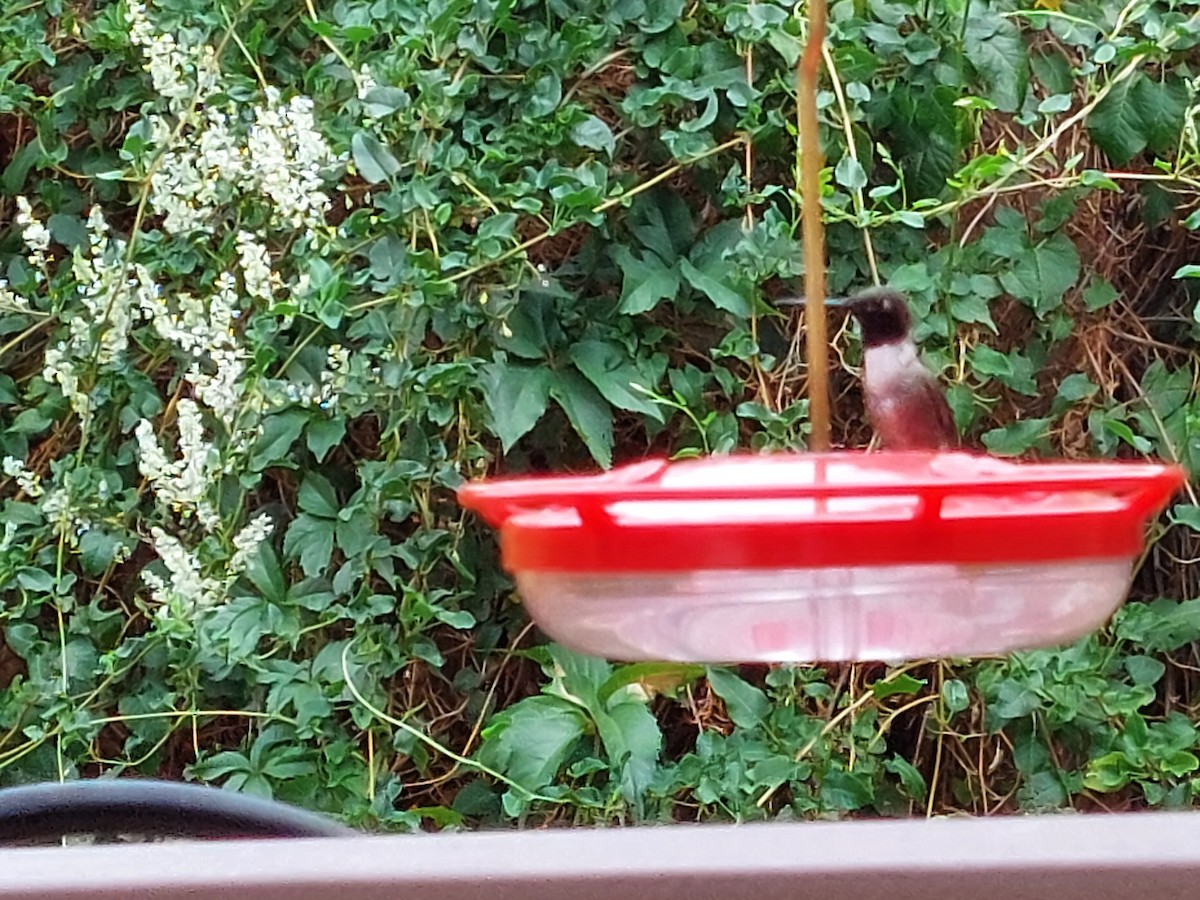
822 510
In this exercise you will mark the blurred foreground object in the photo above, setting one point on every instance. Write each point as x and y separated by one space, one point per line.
824 556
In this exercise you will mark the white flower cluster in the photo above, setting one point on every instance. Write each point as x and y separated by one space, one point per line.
110 298
34 234
261 282
364 82
27 480
335 376
182 483
191 180
111 295
247 541
213 153
183 75
187 590
210 153
188 587
287 156
55 503
334 381
204 329
58 509
10 300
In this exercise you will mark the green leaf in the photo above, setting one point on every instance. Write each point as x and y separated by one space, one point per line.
383 100
1043 790
955 696
594 134
1124 433
39 581
322 435
31 421
528 326
455 618
1092 178
497 226
1099 294
1076 387
996 49
649 678
973 308
746 704
662 222
910 777
1011 369
1161 625
846 791
900 684
646 281
374 161
633 742
69 231
545 95
1016 438
98 549
530 741
1043 275
264 572
605 365
357 534
1186 514
577 677
279 432
219 765
1162 103
1139 113
311 541
589 413
722 296
1055 103
850 174
1144 669
317 496
13 179
516 397
912 278
1180 763
1116 126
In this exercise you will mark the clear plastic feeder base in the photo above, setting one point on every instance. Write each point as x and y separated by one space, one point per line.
826 614
823 557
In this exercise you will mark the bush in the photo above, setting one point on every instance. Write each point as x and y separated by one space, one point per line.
279 279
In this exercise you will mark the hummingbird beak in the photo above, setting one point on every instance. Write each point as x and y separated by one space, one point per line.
837 302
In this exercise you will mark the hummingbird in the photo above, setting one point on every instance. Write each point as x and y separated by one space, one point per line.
906 405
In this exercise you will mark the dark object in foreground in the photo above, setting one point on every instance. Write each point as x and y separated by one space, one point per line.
46 812
905 402
1115 856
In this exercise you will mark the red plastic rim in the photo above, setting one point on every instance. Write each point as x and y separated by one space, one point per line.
823 510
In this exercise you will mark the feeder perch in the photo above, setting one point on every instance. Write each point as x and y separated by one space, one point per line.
824 556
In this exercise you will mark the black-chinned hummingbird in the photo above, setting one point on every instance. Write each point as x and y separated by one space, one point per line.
905 402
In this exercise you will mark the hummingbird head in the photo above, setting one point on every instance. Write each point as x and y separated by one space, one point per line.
881 312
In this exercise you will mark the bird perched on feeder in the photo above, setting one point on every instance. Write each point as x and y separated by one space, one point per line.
905 403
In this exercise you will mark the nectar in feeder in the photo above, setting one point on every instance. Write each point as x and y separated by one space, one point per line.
824 557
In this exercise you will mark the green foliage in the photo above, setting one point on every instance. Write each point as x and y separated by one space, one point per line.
249 347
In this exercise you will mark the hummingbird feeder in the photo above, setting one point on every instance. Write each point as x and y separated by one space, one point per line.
823 556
